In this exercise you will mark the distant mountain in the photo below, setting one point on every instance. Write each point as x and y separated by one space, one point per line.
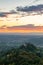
9 41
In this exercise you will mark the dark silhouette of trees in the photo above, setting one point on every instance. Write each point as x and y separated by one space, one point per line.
26 54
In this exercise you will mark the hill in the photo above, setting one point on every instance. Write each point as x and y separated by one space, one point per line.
26 54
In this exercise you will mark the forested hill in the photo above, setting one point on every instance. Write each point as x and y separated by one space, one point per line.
26 54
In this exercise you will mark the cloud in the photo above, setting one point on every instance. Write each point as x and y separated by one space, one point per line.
28 26
21 29
4 14
25 11
22 26
29 9
12 12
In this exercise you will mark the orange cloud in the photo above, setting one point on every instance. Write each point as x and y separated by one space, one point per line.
22 29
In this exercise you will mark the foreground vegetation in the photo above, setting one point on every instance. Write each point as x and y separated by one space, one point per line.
26 54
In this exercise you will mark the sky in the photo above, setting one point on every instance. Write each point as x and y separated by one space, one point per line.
21 16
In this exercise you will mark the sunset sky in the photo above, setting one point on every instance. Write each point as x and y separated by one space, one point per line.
21 16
